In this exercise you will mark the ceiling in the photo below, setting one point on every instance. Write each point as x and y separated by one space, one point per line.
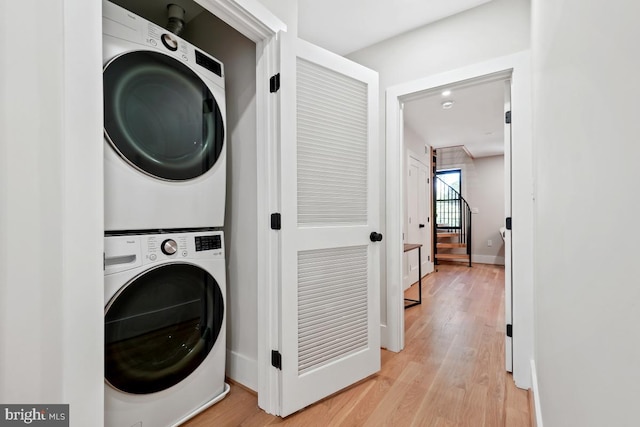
344 26
475 121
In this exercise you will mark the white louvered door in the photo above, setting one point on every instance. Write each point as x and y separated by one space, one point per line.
330 297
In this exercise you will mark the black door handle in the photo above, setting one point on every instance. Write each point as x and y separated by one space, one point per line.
421 226
375 237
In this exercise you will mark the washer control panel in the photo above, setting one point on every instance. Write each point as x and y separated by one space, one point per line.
157 247
130 251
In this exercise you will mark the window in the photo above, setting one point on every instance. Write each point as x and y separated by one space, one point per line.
448 199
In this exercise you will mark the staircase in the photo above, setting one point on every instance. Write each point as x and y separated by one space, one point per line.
452 226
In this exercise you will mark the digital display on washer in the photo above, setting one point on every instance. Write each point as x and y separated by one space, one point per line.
208 243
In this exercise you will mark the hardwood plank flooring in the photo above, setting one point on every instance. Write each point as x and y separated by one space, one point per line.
451 372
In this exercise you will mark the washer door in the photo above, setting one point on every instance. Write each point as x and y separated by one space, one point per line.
160 327
160 116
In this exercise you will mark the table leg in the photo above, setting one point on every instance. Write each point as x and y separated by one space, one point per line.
413 302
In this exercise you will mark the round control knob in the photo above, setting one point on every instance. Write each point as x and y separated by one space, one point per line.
169 42
169 247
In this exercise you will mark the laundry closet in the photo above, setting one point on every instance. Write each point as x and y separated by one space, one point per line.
237 55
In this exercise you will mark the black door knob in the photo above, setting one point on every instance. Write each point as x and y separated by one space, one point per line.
421 226
375 237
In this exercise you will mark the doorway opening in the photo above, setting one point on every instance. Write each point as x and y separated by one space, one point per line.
463 123
516 70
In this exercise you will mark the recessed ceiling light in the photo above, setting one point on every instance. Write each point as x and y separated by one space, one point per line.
446 92
447 105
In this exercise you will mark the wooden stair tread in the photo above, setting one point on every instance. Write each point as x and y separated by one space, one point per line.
447 235
453 256
451 245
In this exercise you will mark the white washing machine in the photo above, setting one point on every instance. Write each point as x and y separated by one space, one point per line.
164 128
164 327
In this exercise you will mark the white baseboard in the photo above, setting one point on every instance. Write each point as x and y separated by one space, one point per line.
242 369
537 413
487 259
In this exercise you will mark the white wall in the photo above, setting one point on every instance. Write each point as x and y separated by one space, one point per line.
416 145
491 30
486 193
495 29
586 129
238 54
482 188
51 295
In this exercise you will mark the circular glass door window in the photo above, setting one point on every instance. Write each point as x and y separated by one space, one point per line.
161 327
160 116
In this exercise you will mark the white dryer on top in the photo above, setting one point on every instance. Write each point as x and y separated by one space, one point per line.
164 127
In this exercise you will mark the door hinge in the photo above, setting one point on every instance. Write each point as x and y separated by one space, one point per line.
276 359
274 83
508 223
104 261
510 331
276 221
507 117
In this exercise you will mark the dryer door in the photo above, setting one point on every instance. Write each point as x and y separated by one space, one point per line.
160 327
160 116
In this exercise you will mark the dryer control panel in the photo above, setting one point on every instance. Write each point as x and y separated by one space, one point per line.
122 24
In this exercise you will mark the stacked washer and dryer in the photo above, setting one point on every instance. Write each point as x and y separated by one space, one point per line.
165 156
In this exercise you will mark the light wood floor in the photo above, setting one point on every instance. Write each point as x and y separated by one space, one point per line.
451 372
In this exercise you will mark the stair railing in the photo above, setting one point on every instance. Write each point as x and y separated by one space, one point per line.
452 214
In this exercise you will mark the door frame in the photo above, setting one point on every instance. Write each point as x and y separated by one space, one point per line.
506 234
518 66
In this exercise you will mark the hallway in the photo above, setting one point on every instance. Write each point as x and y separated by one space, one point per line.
451 372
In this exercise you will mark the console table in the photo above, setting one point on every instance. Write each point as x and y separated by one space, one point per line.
407 301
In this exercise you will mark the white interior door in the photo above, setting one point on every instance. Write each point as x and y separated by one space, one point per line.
417 220
412 219
508 299
330 180
424 230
